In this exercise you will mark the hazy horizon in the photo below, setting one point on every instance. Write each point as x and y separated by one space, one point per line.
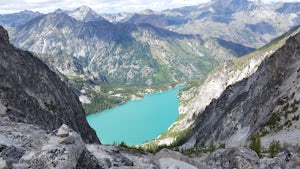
101 6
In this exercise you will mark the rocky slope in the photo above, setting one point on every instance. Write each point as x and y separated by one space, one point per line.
198 95
263 103
31 93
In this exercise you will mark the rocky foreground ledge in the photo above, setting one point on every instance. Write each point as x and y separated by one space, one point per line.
28 146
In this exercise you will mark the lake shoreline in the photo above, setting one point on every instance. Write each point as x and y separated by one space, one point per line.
163 118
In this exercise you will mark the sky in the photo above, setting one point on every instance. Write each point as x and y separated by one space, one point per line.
100 6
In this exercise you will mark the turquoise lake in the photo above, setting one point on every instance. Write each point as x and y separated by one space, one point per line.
137 121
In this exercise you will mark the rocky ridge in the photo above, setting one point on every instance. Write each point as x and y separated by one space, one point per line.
31 93
249 106
194 100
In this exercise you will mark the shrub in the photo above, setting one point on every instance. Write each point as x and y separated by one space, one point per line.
123 144
211 146
255 144
274 148
222 145
273 120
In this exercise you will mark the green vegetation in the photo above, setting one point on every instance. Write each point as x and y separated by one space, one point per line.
274 148
255 144
180 138
211 147
222 145
163 75
101 102
106 99
273 120
50 107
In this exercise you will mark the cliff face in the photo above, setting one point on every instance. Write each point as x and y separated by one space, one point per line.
264 103
31 93
198 96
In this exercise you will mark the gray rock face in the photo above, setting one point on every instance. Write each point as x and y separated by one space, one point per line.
63 131
247 107
29 146
171 159
4 35
31 93
3 164
240 158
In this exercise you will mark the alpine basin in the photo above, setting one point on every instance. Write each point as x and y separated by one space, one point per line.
138 121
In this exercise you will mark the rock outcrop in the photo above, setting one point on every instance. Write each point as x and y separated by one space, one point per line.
265 102
24 145
31 93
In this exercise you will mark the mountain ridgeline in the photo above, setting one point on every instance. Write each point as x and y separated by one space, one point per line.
251 23
125 54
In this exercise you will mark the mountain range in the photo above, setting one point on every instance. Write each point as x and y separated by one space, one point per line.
124 53
251 23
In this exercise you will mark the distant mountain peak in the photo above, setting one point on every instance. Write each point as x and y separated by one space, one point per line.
227 3
29 12
147 11
59 10
85 13
231 6
84 8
